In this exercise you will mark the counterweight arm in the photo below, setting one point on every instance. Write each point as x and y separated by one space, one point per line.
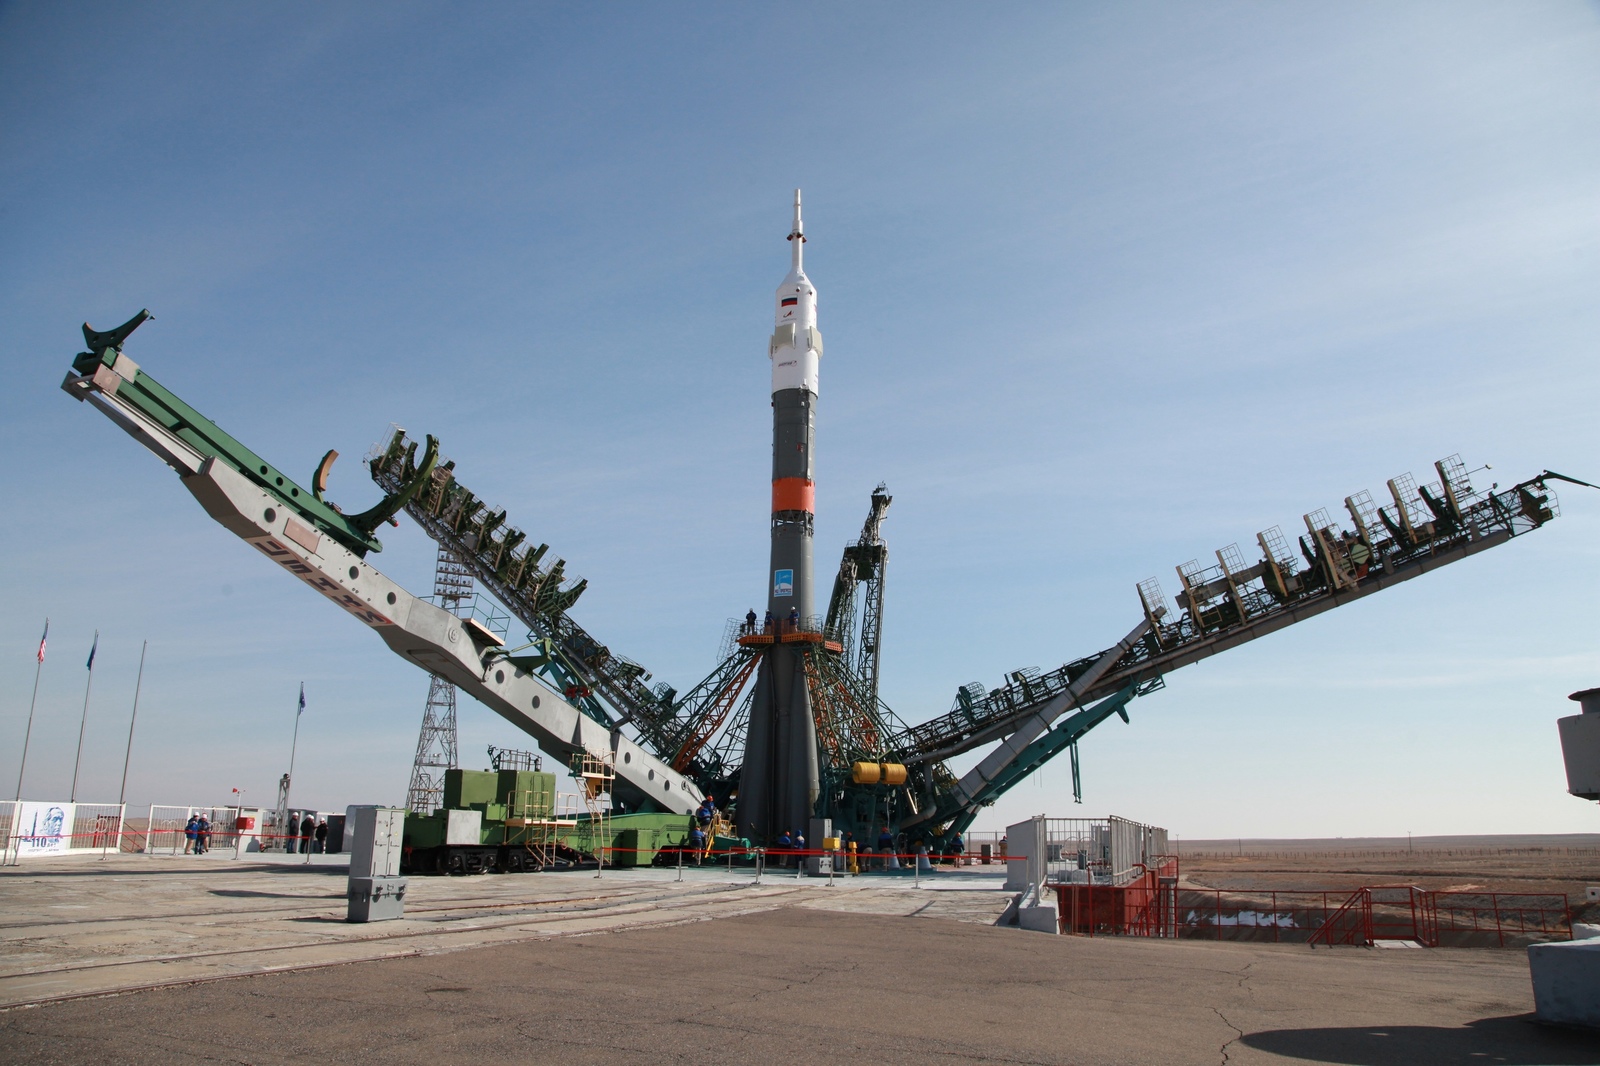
326 551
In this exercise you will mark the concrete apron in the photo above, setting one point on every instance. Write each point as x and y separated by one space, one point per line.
70 929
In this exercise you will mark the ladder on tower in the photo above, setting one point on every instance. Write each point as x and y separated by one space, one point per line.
596 776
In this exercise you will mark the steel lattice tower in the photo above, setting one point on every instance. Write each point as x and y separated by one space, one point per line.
436 743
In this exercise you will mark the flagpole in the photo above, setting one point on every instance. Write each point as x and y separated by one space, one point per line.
296 741
84 721
284 828
31 704
122 796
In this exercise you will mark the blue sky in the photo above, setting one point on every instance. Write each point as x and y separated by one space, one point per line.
1104 289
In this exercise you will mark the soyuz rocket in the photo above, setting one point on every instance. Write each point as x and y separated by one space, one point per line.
779 781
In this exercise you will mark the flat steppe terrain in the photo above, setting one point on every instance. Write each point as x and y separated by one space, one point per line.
1514 864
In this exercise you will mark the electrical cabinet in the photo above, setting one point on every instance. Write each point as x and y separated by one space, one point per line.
375 841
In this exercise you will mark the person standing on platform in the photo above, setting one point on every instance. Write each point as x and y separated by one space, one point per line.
202 835
697 843
190 834
886 847
322 837
750 622
307 828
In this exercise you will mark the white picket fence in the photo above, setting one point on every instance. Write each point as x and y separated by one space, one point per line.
236 829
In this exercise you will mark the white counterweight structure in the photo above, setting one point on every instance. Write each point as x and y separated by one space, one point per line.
779 781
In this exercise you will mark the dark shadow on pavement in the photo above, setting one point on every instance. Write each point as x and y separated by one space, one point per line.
325 869
1516 1040
245 893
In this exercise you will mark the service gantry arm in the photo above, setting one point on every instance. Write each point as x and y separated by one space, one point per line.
1220 607
861 569
327 549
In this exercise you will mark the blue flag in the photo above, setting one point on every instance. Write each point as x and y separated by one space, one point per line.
93 648
302 709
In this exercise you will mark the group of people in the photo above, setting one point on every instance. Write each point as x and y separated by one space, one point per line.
313 837
792 623
791 842
700 830
889 853
197 835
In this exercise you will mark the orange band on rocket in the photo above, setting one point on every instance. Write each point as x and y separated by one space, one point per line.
794 494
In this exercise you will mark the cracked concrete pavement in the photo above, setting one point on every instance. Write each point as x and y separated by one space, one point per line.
708 972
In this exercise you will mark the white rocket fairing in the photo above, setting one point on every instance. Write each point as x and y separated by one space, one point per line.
796 346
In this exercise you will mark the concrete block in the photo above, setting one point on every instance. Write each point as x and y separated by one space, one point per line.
1566 982
1041 918
1025 839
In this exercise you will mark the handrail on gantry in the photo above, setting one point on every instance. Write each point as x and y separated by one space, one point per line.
1243 604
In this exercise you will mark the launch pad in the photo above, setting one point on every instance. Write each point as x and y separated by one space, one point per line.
788 731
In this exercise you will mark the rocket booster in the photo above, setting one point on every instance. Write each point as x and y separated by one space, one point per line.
779 781
795 350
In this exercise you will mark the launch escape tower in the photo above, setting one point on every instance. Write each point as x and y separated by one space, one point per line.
811 737
436 743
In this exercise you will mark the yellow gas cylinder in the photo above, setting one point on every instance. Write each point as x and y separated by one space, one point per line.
864 773
878 773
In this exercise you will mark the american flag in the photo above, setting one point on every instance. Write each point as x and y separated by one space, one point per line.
43 639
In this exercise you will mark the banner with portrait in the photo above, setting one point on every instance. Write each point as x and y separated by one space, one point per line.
43 828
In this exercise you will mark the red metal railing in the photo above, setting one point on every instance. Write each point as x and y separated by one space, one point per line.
1368 915
1152 905
1141 907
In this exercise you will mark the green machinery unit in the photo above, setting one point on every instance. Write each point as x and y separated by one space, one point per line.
512 821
